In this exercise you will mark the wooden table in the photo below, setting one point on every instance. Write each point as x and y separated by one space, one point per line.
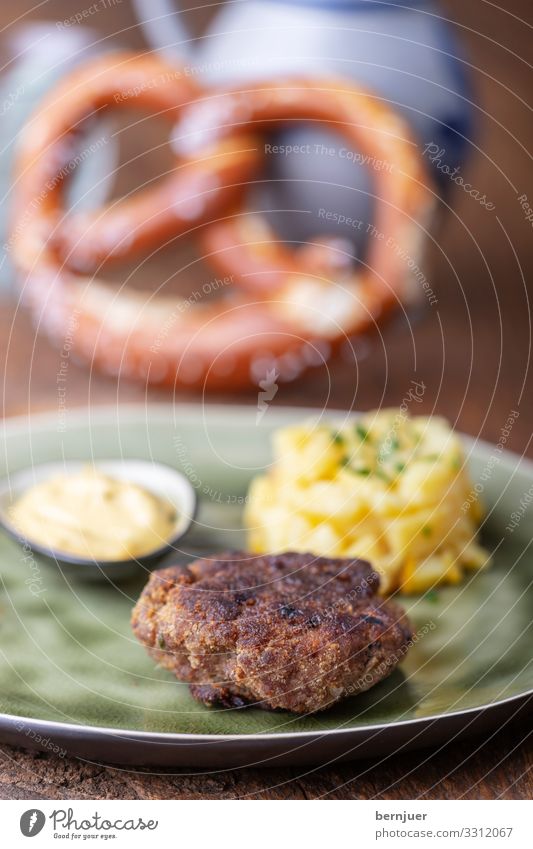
471 351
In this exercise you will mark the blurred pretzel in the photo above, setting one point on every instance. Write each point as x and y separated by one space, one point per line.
193 191
282 310
246 247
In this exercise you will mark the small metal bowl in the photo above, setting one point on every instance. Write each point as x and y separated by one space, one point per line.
161 480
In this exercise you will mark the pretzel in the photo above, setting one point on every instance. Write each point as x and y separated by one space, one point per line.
281 310
246 246
193 191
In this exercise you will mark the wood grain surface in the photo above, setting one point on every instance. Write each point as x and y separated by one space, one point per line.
471 350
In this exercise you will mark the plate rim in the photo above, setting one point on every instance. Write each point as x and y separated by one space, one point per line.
101 412
177 737
133 409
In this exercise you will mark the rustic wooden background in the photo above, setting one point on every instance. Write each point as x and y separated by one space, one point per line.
472 352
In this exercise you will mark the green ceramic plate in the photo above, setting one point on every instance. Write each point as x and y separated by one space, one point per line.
73 677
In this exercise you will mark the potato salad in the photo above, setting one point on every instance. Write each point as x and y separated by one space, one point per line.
387 487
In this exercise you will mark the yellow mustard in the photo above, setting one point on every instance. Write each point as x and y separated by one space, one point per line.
93 515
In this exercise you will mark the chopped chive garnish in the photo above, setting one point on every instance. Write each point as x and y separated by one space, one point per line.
362 432
338 438
161 642
426 530
355 470
432 596
399 467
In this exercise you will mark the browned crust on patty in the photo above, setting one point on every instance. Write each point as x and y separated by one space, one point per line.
291 631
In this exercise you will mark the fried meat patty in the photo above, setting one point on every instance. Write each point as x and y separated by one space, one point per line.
291 631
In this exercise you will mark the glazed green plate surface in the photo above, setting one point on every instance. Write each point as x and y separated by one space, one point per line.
72 675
